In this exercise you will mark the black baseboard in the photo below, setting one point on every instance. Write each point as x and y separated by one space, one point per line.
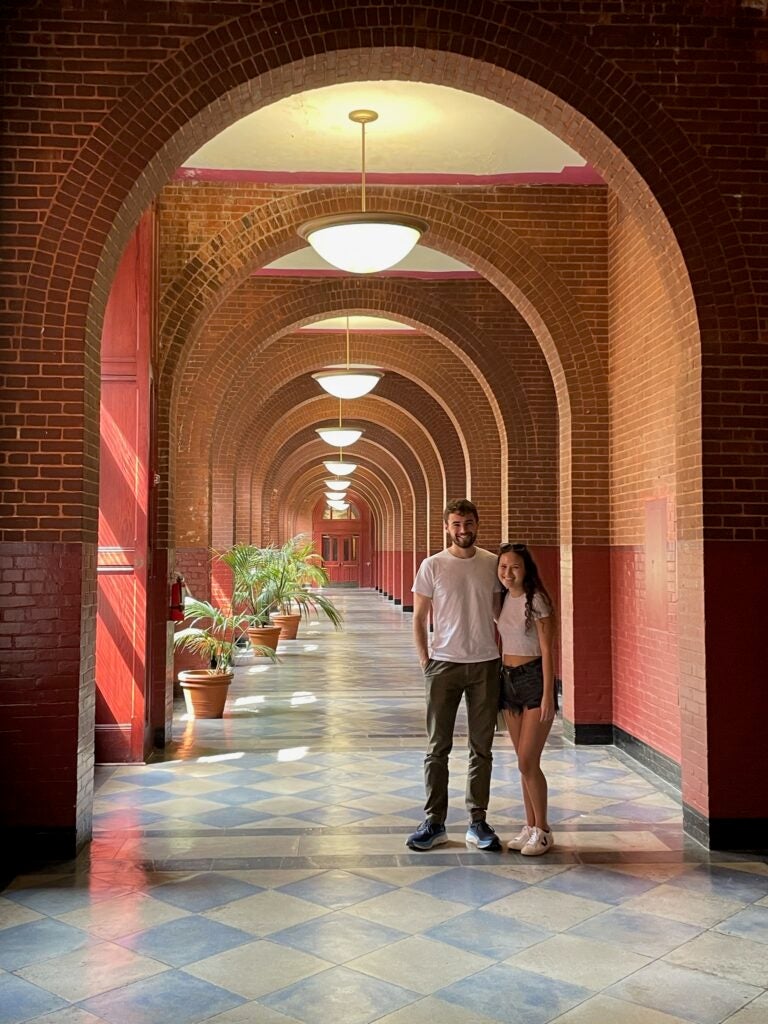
582 735
737 834
607 733
398 601
407 607
658 763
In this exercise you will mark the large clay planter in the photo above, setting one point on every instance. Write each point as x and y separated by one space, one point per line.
289 625
263 636
205 691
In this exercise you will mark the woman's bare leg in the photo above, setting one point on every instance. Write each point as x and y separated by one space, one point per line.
514 725
531 736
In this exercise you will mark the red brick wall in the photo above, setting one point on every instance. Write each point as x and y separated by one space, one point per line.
566 225
651 348
102 103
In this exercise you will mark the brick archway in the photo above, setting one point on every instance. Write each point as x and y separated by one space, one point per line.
238 359
137 132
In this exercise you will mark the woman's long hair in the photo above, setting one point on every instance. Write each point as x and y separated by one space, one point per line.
532 584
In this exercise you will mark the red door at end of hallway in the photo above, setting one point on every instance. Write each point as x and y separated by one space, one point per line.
341 553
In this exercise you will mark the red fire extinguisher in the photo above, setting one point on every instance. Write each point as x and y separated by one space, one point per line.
176 608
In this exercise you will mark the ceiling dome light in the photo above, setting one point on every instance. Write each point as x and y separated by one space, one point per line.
339 437
347 383
340 468
336 485
336 495
363 243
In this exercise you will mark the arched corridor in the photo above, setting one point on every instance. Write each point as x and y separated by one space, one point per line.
259 874
576 343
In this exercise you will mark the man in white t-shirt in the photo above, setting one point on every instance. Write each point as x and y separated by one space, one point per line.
457 586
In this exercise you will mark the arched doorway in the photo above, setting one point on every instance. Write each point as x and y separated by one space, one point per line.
513 62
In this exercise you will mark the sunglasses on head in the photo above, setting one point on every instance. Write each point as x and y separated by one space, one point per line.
517 548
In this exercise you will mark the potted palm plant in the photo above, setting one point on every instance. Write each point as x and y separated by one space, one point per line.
250 567
212 633
275 583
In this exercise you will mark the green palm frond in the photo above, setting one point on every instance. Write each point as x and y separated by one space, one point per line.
212 633
274 580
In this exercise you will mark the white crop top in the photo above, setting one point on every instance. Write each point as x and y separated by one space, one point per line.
511 625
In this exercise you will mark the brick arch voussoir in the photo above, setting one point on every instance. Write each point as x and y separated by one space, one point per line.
368 485
257 443
442 464
234 352
402 302
503 53
449 448
510 262
431 369
276 443
214 73
408 441
389 438
374 456
302 494
302 465
384 453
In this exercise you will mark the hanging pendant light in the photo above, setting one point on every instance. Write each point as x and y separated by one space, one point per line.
335 495
339 436
338 506
336 485
340 468
348 383
365 242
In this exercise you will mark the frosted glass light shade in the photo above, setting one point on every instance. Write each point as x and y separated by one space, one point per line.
336 485
338 506
340 468
347 383
335 495
363 243
339 437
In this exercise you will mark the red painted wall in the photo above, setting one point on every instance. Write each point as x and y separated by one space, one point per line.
122 677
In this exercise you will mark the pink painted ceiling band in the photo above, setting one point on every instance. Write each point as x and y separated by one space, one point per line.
585 175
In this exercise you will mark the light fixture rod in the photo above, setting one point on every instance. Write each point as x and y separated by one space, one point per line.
347 341
362 126
363 117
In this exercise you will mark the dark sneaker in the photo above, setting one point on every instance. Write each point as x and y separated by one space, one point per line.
427 835
481 835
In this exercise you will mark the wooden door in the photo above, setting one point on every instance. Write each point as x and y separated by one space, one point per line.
341 557
122 684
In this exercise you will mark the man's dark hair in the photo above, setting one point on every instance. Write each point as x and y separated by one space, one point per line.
462 507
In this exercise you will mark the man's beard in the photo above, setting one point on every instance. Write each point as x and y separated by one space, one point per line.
465 541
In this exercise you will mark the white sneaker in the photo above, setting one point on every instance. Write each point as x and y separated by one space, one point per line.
539 842
520 839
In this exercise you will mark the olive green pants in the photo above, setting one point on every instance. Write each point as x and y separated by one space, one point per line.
446 682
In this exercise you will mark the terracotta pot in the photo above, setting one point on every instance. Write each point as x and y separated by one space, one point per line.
205 691
289 625
264 636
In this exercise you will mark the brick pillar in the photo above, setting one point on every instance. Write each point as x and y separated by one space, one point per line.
47 692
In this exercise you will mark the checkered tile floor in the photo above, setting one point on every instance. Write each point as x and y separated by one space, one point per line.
259 874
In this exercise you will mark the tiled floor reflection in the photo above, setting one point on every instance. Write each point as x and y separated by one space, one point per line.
259 874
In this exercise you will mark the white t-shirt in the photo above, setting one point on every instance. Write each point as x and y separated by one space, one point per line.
511 625
461 591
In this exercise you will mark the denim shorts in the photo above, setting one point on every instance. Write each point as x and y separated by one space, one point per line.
522 687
